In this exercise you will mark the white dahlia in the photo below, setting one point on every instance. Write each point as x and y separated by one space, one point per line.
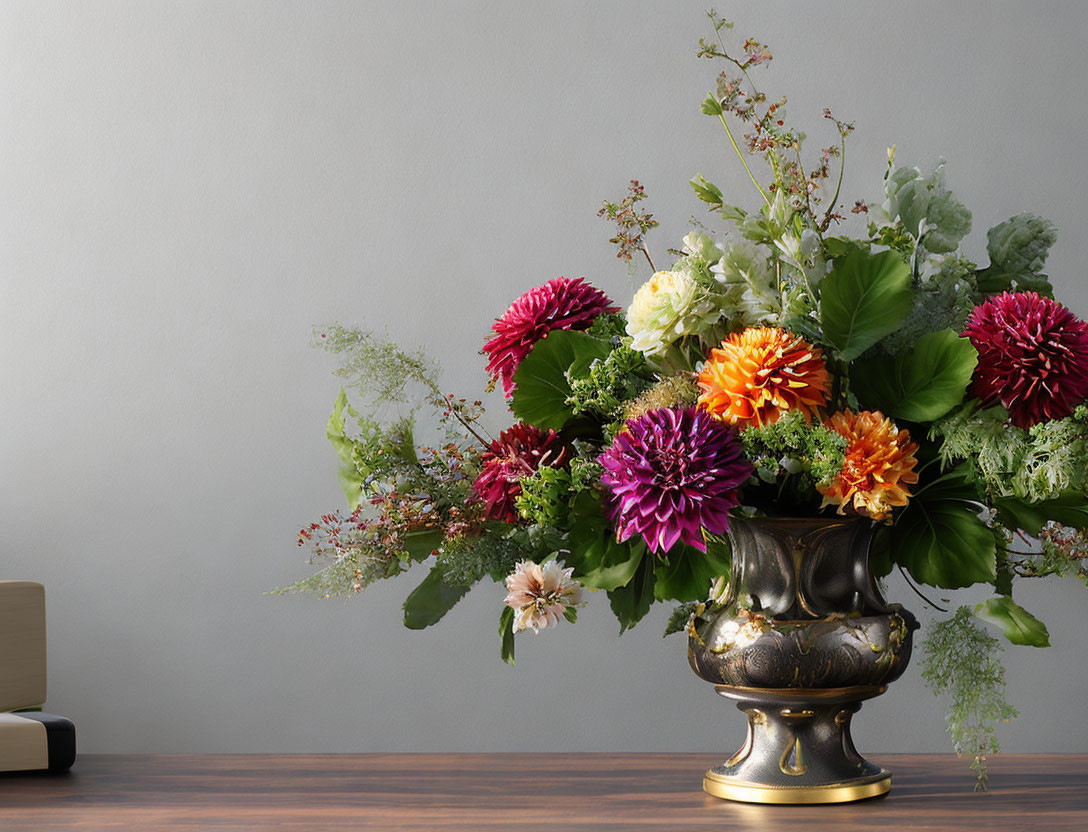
667 307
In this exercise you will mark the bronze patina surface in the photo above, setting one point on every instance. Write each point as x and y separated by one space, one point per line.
800 639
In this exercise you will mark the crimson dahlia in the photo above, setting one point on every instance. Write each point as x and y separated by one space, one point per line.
1032 357
673 473
561 303
515 455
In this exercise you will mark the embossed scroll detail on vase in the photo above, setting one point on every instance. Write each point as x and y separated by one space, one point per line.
801 639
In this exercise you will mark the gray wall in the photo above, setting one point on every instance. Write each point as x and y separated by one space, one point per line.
188 187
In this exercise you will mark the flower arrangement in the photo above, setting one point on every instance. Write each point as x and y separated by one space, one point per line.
777 366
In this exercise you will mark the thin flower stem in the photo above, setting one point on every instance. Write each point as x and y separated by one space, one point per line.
735 62
838 185
918 592
648 260
440 403
743 161
808 203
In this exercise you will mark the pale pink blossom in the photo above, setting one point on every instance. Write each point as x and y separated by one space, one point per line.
541 595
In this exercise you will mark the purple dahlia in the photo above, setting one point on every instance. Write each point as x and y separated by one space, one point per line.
1032 357
673 473
561 303
515 455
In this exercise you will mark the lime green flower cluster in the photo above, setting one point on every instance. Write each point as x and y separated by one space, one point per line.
547 495
811 454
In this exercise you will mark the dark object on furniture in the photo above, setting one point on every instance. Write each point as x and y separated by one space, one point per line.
802 639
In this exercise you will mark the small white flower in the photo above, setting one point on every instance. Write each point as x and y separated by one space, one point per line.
667 307
698 244
750 295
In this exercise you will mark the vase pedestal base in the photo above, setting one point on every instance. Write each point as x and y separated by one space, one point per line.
798 749
743 791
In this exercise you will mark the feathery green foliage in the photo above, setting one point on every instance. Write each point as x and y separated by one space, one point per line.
943 299
1038 464
469 558
609 382
376 368
964 660
681 615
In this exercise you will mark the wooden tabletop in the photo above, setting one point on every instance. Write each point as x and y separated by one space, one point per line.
519 791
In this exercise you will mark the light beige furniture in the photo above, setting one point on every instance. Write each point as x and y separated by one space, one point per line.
22 645
29 739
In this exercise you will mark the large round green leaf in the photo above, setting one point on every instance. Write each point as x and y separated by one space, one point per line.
944 543
920 384
540 398
865 297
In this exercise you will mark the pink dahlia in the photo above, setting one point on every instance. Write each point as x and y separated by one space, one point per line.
515 455
1032 357
561 303
673 473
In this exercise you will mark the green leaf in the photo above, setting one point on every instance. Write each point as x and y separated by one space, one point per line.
949 222
942 542
431 600
836 247
711 106
421 543
927 209
616 562
865 297
1018 625
708 192
542 378
920 384
681 615
1018 250
599 560
506 631
1068 509
688 573
630 603
348 474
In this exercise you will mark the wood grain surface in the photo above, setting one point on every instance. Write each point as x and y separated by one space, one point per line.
519 791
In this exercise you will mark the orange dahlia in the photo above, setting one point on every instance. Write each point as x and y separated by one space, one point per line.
757 374
879 464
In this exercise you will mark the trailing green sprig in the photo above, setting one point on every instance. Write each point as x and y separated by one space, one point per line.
964 660
377 369
469 558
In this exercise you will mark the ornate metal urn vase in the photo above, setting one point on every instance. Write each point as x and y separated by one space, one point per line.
800 640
